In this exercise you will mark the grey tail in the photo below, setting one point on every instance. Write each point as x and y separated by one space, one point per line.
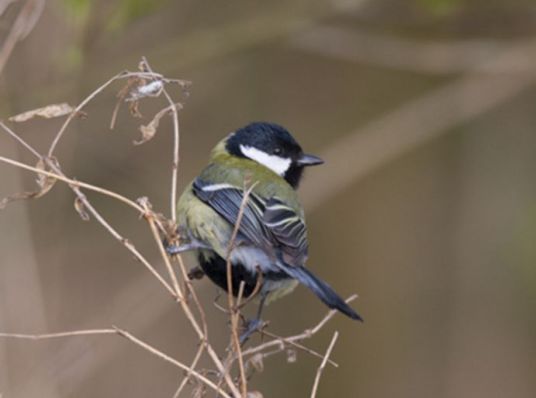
322 290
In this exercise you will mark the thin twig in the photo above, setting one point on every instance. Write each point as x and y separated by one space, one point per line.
128 336
169 359
90 97
57 335
150 219
297 345
176 143
233 310
323 364
193 365
20 140
308 333
202 333
74 183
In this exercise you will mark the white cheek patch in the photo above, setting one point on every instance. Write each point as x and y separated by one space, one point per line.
275 163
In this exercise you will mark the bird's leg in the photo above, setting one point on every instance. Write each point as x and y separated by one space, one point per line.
253 325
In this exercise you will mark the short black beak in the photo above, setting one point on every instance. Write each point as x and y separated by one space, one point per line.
309 160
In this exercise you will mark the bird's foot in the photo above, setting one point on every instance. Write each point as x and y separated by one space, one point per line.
251 326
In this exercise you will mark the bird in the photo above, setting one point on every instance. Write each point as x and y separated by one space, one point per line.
270 247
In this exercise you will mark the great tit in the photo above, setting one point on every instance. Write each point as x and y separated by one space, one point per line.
272 235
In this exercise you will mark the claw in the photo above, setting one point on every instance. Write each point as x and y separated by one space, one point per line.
252 326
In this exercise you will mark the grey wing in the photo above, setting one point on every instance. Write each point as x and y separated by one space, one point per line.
288 230
268 224
226 200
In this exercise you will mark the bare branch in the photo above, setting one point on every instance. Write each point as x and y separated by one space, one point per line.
74 183
193 365
308 333
323 364
234 310
20 140
87 332
169 359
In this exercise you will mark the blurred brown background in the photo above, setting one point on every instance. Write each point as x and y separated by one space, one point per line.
424 111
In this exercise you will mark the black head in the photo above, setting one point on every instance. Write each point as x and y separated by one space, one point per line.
272 146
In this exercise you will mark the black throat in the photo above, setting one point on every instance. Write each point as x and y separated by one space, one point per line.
294 175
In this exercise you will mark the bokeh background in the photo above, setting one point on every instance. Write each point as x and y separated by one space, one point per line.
424 111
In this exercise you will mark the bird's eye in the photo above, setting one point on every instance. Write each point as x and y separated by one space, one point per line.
277 151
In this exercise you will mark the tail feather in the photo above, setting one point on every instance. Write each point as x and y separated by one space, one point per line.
322 290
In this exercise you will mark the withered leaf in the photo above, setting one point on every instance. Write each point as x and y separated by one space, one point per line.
148 131
45 184
47 112
134 108
121 95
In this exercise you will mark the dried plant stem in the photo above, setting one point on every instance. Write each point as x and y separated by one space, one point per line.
75 186
193 365
90 97
20 140
44 336
165 257
323 364
234 309
298 346
74 183
299 337
169 359
128 336
176 143
175 164
200 331
71 116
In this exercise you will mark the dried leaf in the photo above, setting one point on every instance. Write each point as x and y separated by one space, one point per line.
254 394
257 361
149 131
47 112
121 95
81 209
45 184
134 108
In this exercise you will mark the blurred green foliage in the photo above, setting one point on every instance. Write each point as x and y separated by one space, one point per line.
123 11
131 10
441 7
